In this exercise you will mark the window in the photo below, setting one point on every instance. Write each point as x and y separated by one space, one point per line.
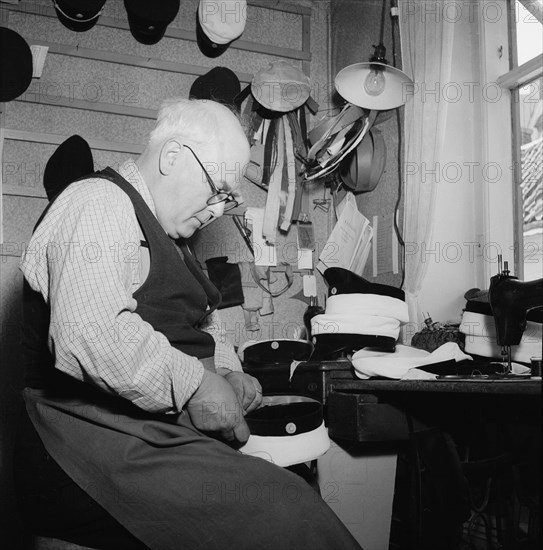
526 84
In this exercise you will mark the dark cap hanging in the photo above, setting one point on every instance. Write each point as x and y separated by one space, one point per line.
149 20
72 160
79 15
15 64
219 84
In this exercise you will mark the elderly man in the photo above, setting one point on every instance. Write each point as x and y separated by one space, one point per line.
134 407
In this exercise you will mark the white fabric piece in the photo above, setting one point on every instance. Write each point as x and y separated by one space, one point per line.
222 20
477 324
289 449
481 339
373 325
367 304
397 365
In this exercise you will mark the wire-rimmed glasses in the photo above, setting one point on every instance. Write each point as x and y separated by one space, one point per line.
218 196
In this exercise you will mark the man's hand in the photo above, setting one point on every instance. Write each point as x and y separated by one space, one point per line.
247 388
215 407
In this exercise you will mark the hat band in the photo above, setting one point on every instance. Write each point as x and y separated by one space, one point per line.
75 20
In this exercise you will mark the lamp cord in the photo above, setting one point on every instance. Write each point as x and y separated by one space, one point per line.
399 159
383 12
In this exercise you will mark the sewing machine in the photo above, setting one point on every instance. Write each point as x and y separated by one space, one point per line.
510 300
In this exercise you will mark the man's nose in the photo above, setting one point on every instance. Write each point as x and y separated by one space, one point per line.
217 209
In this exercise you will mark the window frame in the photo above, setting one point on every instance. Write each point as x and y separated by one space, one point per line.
501 220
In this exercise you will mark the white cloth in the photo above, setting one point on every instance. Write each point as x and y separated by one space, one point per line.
288 450
402 361
480 338
343 323
367 304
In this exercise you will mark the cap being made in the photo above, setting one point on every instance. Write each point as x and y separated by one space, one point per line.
15 65
79 15
218 24
148 21
280 87
287 430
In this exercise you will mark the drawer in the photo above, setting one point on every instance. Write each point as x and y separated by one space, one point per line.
361 417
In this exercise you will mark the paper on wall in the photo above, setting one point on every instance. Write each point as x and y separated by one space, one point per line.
349 243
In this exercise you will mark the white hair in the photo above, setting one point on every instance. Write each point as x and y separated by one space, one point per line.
194 120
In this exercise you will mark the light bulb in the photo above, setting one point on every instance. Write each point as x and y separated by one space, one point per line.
375 82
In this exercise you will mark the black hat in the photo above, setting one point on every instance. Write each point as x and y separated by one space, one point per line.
15 66
149 20
218 24
343 281
219 84
274 352
79 15
72 160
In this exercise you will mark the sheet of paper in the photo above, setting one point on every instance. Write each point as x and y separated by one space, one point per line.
349 243
265 254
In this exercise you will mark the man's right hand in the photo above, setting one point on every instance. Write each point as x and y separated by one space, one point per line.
214 407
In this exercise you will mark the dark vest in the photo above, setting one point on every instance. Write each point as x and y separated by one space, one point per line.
174 298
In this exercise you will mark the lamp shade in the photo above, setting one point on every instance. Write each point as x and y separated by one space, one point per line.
397 86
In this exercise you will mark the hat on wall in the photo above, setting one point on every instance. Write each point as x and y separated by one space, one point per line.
287 430
149 20
219 84
79 15
281 87
72 160
362 169
15 66
218 24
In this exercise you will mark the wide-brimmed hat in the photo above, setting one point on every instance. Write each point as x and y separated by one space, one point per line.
149 20
15 65
287 430
219 84
281 351
218 24
71 160
362 169
281 87
79 15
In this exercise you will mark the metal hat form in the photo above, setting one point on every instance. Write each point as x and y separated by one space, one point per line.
397 86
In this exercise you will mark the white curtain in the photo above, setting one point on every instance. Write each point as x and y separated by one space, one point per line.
427 44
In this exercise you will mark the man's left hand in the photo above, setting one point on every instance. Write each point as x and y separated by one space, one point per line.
246 387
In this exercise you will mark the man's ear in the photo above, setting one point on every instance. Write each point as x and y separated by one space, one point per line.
169 156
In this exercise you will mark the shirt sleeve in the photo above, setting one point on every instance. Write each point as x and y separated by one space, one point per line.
225 354
95 333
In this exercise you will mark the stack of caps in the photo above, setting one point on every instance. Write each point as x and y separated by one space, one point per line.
479 329
358 314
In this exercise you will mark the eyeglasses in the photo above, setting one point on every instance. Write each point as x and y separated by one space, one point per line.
218 196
